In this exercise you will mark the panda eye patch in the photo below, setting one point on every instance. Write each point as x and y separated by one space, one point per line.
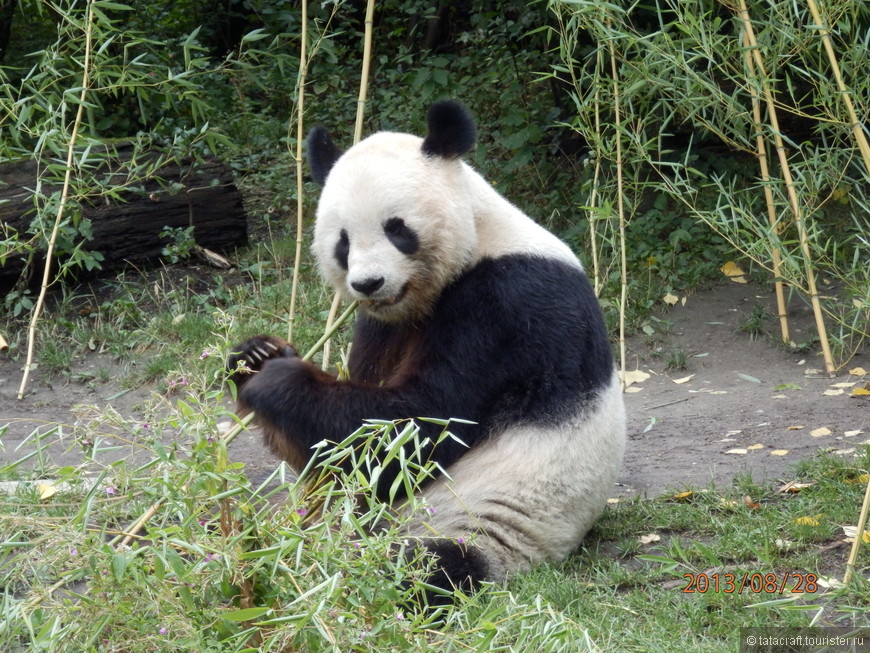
402 236
342 249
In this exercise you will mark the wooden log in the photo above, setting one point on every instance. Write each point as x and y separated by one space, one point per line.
178 194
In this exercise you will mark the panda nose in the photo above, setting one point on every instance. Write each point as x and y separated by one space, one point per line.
368 286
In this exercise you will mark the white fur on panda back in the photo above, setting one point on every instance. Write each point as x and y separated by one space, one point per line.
503 229
557 480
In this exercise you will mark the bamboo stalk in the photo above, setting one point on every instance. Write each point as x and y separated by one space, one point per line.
593 198
761 155
64 197
845 93
794 203
859 536
864 148
331 327
330 318
568 60
136 526
300 131
623 263
357 133
366 66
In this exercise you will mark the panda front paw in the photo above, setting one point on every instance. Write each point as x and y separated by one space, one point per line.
250 356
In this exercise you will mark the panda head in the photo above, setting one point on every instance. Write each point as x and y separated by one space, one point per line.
395 223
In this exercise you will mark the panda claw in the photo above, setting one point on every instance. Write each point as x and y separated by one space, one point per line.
261 353
254 353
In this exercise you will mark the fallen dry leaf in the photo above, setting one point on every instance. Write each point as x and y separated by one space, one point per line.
817 433
733 272
843 452
852 434
755 447
633 389
796 427
683 496
740 452
844 384
779 452
46 490
793 487
749 503
634 376
851 531
649 538
858 371
613 500
685 379
828 582
833 393
670 299
807 521
860 392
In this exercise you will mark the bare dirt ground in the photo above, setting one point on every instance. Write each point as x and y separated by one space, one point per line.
749 406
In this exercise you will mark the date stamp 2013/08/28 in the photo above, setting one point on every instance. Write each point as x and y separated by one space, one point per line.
757 583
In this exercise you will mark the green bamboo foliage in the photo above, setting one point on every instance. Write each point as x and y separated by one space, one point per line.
858 130
300 195
65 191
764 169
685 85
791 190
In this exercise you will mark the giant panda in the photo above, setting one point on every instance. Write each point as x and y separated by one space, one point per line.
468 309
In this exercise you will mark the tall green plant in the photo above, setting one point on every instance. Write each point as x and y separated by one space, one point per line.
46 117
687 100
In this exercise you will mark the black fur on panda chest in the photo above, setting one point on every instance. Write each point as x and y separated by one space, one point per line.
513 340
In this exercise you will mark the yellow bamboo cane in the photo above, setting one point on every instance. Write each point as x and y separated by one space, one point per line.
761 155
300 131
864 148
64 197
845 94
794 203
623 263
357 132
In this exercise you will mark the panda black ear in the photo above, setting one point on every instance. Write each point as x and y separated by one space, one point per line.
451 130
322 153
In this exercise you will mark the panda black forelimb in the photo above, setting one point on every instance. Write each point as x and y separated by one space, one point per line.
500 348
249 357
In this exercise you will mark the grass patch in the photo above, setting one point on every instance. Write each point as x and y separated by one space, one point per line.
229 565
